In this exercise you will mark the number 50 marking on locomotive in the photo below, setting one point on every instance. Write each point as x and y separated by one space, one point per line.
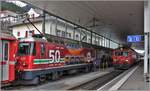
55 55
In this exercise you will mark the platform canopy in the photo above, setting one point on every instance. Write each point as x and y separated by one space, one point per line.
114 19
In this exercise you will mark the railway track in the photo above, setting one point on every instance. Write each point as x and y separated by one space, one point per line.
96 83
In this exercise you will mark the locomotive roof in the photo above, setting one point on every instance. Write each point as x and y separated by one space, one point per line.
7 36
125 48
32 39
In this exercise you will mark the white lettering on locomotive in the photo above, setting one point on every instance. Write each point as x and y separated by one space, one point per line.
55 56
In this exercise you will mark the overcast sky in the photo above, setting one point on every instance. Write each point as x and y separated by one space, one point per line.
17 2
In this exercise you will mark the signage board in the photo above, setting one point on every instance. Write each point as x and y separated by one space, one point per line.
135 38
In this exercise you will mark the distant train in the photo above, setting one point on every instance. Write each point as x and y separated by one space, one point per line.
32 60
123 58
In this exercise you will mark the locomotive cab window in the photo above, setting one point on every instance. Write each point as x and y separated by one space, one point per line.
125 53
121 53
26 48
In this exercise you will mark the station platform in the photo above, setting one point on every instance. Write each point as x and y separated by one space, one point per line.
131 79
136 81
68 82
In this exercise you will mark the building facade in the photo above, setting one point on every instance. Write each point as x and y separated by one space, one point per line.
58 27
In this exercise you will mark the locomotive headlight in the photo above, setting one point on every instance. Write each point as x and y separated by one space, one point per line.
14 55
24 64
115 60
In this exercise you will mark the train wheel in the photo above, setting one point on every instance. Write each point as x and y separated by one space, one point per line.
60 74
86 69
36 81
42 78
48 76
55 76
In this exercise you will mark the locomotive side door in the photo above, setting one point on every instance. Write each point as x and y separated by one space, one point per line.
5 61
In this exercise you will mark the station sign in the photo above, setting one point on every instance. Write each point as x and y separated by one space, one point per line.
135 38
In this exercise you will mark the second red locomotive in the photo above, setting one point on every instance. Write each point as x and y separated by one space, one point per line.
123 58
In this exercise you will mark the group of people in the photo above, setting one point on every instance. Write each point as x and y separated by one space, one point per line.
103 62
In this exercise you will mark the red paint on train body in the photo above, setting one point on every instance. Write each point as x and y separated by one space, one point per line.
9 50
36 55
123 58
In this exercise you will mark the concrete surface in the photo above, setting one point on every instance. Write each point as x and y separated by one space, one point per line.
136 81
62 84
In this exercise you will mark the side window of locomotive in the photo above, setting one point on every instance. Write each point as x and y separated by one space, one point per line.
42 48
6 52
34 49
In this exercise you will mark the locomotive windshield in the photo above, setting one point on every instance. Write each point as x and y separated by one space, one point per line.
121 53
26 48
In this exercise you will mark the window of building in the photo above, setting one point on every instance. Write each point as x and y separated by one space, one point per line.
58 32
89 40
69 35
77 37
18 33
63 34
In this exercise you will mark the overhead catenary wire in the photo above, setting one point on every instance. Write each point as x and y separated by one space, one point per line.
71 22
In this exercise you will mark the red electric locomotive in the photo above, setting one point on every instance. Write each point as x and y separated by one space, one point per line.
123 58
39 59
31 60
7 63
